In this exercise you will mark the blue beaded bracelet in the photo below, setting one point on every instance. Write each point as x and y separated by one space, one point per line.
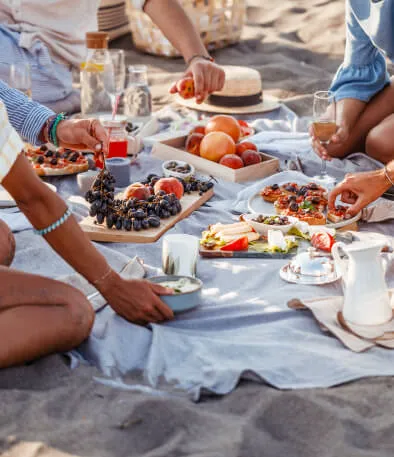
52 132
55 225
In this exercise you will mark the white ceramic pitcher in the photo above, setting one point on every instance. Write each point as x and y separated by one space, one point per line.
367 300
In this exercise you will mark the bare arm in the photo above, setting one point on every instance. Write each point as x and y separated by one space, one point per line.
137 301
176 25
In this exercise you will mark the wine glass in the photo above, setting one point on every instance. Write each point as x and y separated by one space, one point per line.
324 126
20 78
115 76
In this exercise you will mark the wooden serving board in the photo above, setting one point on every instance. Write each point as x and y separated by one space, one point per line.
102 233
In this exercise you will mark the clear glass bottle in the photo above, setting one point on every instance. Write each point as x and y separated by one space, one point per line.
94 98
137 98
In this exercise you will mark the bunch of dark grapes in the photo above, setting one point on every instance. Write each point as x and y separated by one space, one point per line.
190 184
131 214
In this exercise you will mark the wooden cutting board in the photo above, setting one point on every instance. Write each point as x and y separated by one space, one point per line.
97 232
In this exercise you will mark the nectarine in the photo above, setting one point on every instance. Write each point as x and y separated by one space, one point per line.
251 157
193 143
185 88
138 191
215 145
244 146
169 186
226 124
231 161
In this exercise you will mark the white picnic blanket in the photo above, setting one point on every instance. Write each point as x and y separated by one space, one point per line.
242 330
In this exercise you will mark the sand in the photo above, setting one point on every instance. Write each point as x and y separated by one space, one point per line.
297 46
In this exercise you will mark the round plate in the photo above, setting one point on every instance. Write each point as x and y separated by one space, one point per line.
6 201
258 205
287 275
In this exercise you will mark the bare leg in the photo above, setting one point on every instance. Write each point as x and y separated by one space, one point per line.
39 316
7 245
377 110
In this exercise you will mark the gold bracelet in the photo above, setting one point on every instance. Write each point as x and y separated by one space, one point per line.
386 173
105 276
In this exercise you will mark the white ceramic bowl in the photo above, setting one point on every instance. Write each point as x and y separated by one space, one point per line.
262 229
173 174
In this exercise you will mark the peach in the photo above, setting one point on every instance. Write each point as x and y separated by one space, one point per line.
215 145
169 186
185 88
251 157
231 161
244 146
198 129
193 143
138 191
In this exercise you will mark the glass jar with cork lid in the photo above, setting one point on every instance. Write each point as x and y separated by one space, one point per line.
94 97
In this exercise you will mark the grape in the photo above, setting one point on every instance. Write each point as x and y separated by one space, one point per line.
119 224
100 218
127 225
153 221
140 214
173 210
145 224
137 225
165 213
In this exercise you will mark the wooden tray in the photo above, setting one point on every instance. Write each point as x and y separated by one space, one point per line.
174 149
97 232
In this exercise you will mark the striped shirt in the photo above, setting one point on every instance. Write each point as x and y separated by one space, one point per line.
10 144
25 116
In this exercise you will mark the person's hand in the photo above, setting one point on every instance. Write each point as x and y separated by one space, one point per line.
138 301
323 151
83 134
359 190
207 76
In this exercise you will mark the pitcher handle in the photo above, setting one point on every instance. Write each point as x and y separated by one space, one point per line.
340 264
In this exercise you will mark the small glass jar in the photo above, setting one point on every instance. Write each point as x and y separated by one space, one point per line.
118 142
137 98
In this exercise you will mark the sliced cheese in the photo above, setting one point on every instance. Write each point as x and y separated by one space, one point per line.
252 236
222 227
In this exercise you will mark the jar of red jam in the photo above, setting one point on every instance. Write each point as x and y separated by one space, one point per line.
118 143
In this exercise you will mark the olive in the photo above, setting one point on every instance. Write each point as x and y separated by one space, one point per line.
275 187
294 206
44 148
40 159
292 198
313 186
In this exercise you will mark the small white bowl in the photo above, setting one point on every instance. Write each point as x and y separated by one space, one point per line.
174 174
262 229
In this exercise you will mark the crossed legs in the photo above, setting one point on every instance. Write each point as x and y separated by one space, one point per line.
38 316
374 130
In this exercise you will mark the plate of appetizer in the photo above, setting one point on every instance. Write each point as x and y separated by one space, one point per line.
300 198
55 162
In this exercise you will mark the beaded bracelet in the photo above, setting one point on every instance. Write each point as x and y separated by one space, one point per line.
55 225
46 129
52 131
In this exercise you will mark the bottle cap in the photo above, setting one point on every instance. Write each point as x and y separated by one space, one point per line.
97 40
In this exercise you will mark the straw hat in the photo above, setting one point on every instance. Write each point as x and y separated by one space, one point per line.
242 94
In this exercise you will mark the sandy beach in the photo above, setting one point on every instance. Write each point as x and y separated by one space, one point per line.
297 46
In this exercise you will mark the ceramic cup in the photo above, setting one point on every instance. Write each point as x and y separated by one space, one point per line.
85 180
119 167
180 254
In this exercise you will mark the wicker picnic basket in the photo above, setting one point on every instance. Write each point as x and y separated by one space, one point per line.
219 22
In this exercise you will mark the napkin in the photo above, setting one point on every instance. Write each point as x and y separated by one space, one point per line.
358 338
33 449
133 269
381 210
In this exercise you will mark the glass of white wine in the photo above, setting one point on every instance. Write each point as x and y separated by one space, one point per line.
115 75
20 78
324 126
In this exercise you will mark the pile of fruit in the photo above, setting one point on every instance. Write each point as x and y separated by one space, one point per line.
220 142
143 204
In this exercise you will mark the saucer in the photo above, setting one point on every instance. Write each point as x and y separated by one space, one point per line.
288 275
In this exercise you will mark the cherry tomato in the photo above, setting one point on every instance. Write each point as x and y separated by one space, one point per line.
240 244
323 241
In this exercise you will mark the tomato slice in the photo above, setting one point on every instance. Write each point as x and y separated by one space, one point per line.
323 241
243 123
240 244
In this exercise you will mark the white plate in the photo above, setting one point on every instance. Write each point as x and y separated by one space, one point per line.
258 205
6 201
287 275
